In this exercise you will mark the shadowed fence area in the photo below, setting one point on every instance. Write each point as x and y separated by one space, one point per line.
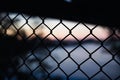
41 48
90 11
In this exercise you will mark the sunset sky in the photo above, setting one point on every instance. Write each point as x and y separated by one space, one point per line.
80 31
60 31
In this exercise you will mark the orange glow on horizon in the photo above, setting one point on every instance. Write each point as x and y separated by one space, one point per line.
80 31
66 29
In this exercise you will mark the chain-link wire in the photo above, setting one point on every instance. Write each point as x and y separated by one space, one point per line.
35 48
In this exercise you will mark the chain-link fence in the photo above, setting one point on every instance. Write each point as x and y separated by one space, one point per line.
39 48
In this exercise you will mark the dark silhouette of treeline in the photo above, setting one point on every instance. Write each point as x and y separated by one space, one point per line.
10 48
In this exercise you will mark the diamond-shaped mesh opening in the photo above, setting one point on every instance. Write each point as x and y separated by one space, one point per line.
63 31
41 54
6 22
90 70
51 64
92 46
34 21
79 55
68 63
101 56
39 31
66 43
59 54
80 31
32 62
12 31
51 40
21 22
25 34
38 48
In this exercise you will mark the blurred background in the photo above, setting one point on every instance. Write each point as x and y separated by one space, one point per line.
45 48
